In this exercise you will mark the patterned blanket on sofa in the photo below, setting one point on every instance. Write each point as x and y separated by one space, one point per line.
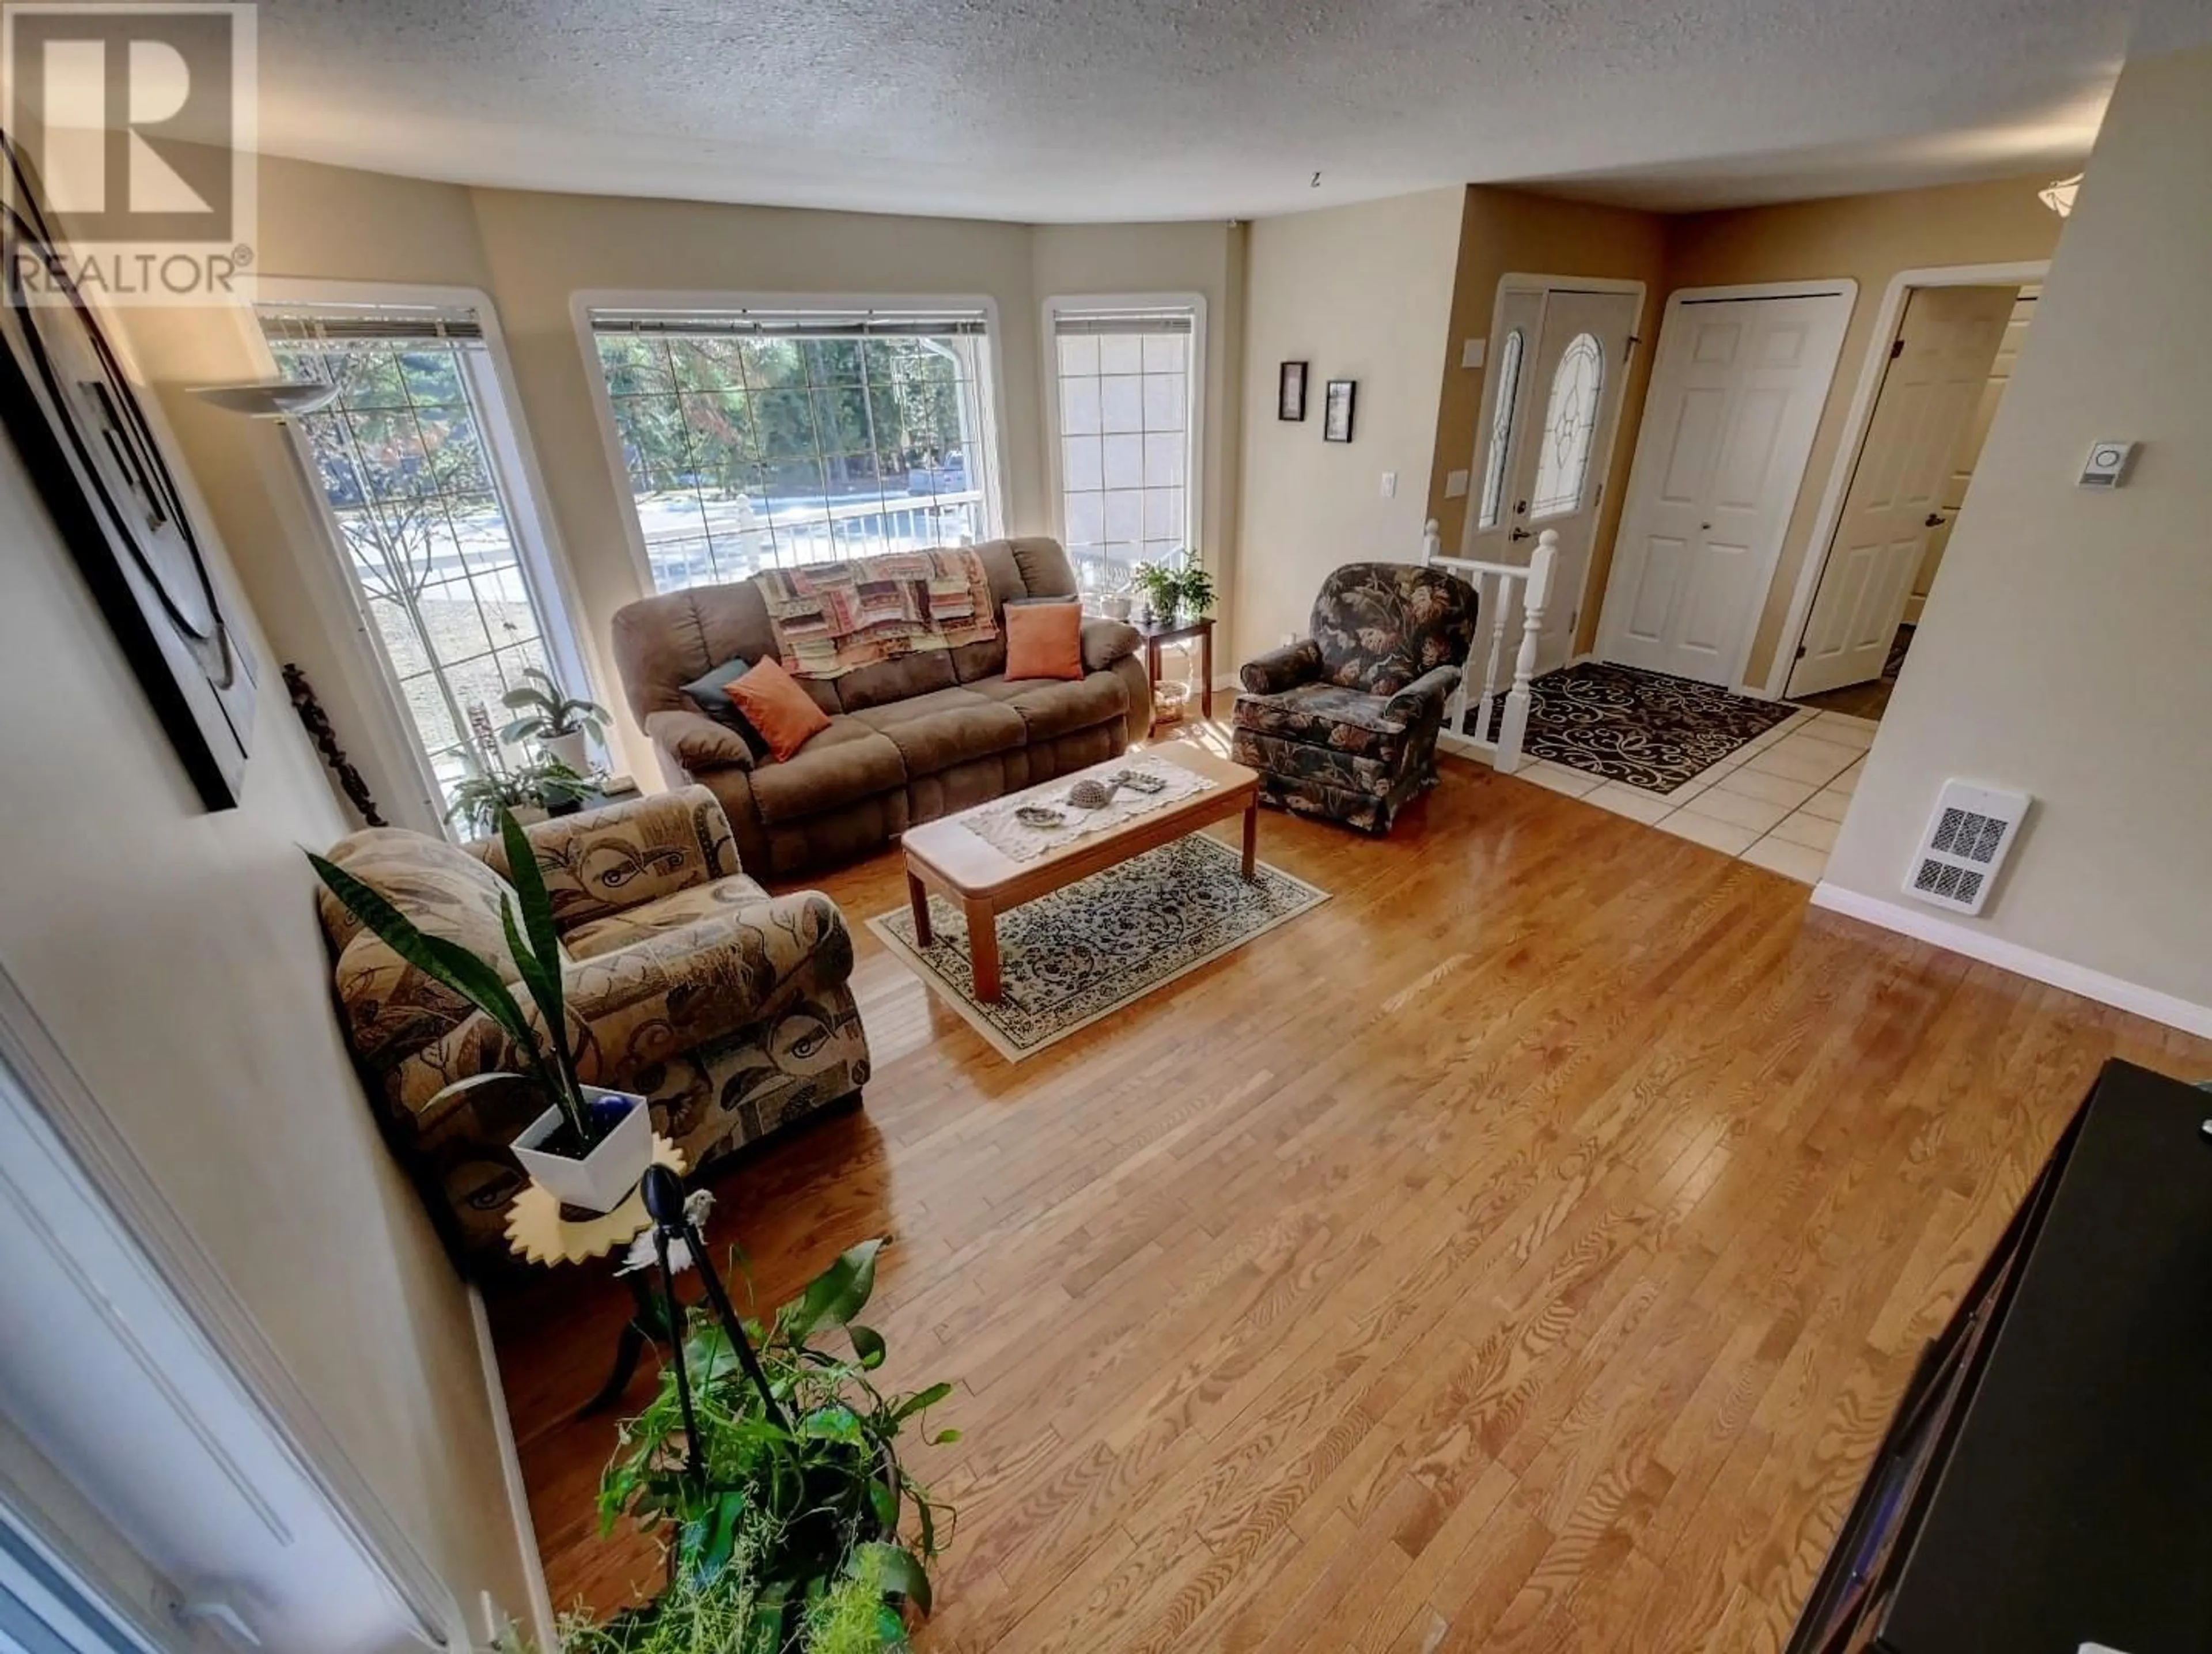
831 617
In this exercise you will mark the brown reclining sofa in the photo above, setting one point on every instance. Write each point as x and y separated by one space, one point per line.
908 740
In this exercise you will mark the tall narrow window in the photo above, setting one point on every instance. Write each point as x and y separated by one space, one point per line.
1126 390
438 541
755 438
1570 423
1501 430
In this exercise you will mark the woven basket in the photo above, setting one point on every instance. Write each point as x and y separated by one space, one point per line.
1170 700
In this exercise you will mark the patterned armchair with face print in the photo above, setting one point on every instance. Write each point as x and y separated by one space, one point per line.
1343 724
685 981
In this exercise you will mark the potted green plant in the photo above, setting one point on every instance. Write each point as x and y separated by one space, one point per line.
529 794
590 1145
1178 587
790 1525
1161 586
556 720
1197 592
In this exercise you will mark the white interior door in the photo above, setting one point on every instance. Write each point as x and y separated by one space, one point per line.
1567 375
1938 371
1970 449
1736 393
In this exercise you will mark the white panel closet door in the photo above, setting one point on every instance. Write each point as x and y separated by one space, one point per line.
1948 342
1736 394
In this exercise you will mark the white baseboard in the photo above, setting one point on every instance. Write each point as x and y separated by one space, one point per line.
544 1623
1922 927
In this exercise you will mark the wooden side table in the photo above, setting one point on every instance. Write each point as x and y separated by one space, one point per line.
1202 630
539 1233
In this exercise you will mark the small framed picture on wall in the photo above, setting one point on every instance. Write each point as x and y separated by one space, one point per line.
1291 392
1336 410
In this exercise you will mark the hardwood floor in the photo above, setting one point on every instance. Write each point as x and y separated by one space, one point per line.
1522 1250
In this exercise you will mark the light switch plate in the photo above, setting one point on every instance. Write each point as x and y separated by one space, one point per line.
1455 485
1470 353
1390 484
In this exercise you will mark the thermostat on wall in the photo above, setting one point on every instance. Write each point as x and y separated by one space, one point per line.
2107 465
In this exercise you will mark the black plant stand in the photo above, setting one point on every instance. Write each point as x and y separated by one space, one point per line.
647 1323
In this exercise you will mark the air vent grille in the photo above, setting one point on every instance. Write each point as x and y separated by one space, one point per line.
1968 836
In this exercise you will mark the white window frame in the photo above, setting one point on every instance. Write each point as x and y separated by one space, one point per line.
522 491
990 413
1193 493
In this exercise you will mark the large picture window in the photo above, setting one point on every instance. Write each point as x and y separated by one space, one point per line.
1126 394
755 439
437 537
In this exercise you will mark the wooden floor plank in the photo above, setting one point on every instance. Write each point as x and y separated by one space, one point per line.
1521 1250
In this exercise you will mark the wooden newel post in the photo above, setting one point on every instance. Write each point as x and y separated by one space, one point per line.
1515 725
1433 542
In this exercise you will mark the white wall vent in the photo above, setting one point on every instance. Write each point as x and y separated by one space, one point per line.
1968 840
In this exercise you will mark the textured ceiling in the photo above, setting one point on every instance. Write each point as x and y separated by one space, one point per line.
1060 110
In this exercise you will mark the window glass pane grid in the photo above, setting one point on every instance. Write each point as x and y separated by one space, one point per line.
1124 384
749 446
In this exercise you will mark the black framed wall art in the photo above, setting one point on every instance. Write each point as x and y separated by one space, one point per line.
74 418
1291 391
1336 410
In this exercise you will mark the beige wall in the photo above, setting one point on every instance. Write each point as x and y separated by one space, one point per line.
2063 650
174 956
1363 293
1508 231
1870 238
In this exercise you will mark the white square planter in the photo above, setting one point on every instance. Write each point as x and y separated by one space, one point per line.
602 1179
566 749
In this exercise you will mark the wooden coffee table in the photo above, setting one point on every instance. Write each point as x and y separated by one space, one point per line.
966 869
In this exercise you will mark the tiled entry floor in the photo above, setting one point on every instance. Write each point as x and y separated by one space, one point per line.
1775 801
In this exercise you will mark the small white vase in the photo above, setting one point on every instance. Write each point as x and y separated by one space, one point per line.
1115 605
566 749
602 1179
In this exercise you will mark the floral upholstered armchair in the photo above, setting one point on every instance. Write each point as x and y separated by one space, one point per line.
1343 724
725 1006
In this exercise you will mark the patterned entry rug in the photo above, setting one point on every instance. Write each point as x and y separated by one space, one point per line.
1642 728
1081 953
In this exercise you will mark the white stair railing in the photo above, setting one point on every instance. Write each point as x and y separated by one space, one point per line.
1498 585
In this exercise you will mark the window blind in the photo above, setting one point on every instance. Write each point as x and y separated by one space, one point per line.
366 324
792 323
1077 323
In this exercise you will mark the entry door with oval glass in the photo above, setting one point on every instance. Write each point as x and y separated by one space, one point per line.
1736 392
1554 390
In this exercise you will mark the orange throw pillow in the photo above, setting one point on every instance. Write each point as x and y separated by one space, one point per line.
1044 639
773 704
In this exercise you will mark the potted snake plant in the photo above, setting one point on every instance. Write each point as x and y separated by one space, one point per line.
590 1145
